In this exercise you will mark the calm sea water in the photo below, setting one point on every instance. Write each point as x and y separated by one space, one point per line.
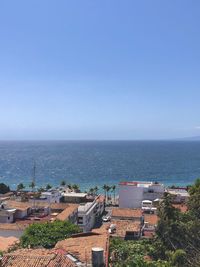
90 163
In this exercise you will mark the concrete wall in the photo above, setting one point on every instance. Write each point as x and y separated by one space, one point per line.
89 217
130 196
20 214
6 218
152 196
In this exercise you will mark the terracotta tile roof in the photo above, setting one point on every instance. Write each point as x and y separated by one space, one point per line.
126 213
80 246
64 215
18 205
149 234
152 219
36 258
124 226
59 206
7 242
182 207
101 230
54 206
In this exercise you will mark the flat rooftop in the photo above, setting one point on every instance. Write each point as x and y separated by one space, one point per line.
139 183
126 213
125 226
85 207
178 191
18 205
80 246
73 194
151 219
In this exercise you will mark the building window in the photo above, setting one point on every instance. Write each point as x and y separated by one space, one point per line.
80 220
150 191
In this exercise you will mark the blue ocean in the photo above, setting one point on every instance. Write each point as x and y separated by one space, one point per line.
90 163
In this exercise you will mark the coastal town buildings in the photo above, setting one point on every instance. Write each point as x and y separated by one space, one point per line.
125 229
135 218
23 209
51 196
89 212
84 249
81 246
127 214
12 210
70 213
87 215
180 195
73 197
6 214
126 223
150 223
131 194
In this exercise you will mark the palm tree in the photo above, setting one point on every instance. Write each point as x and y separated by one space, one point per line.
113 190
91 191
96 189
48 187
41 189
32 185
69 186
104 188
75 187
20 187
107 190
63 183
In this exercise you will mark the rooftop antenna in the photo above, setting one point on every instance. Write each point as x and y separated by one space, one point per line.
33 185
34 169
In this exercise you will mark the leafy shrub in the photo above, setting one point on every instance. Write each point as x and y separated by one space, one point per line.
47 234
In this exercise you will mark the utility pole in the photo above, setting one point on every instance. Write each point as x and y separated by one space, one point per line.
33 183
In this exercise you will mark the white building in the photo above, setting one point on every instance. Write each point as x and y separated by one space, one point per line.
6 214
147 206
131 194
89 212
180 195
51 196
73 197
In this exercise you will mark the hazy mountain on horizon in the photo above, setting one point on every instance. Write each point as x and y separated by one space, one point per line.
190 138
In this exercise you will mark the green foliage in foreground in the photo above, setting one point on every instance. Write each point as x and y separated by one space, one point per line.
177 239
133 253
4 188
47 234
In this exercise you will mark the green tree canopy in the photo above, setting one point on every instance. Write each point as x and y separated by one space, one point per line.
47 234
76 188
63 183
4 188
20 187
194 200
48 186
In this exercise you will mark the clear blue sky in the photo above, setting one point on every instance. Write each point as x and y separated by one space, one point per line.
113 69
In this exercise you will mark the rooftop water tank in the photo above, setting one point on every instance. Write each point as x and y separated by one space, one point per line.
98 257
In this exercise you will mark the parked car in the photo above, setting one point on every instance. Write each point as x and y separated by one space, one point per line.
106 218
